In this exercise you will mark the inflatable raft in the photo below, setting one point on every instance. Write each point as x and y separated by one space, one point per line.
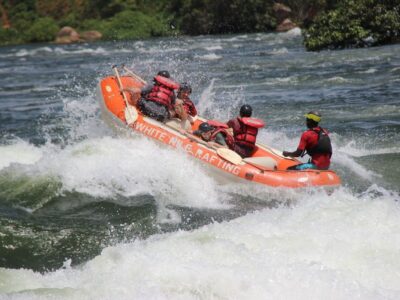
267 165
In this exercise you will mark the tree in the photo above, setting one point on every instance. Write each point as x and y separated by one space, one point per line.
4 16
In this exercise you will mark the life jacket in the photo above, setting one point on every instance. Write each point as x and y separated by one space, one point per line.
228 138
189 107
221 128
323 146
163 91
217 124
248 130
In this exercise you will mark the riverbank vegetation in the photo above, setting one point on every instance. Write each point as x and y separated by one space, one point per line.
325 23
353 23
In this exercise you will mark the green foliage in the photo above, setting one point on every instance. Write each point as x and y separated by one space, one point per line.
9 36
214 17
42 30
355 23
133 25
328 23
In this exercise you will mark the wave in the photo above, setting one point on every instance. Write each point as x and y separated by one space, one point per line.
211 56
68 50
108 167
19 152
323 244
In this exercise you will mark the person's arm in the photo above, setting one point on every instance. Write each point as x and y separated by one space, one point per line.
300 148
296 153
231 124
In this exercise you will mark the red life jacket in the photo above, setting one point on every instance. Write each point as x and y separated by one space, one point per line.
189 107
228 138
217 124
248 130
163 91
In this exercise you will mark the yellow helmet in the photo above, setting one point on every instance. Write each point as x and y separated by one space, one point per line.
313 115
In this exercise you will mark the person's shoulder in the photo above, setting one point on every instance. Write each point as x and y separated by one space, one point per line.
308 133
232 121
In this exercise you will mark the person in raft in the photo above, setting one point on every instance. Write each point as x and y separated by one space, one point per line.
316 142
214 135
245 130
184 106
158 100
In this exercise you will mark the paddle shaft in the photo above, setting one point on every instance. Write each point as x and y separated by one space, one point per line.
120 85
134 75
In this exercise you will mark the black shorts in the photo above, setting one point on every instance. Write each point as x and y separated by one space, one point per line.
153 110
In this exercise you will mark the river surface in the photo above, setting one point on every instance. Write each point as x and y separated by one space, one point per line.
86 214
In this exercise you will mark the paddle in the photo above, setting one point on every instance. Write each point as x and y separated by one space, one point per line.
130 72
131 114
225 153
229 155
275 151
263 162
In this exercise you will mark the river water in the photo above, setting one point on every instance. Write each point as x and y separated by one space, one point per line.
85 214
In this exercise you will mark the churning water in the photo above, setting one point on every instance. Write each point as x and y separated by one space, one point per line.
85 214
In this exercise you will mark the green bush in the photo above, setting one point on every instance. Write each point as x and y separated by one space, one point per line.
9 36
355 23
133 25
42 30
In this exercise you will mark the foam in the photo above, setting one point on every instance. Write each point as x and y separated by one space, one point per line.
19 152
325 245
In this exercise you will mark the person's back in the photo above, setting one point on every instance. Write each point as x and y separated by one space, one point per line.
159 100
245 130
315 142
317 145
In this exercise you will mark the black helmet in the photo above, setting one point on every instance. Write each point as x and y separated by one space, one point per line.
185 87
164 74
205 127
246 111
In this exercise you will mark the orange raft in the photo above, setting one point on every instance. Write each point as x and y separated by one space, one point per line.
252 169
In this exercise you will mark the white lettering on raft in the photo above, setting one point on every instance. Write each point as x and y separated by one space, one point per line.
177 143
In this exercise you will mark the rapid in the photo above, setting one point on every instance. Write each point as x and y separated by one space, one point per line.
88 214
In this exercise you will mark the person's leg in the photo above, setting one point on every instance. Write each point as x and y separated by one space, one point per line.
153 110
303 167
243 151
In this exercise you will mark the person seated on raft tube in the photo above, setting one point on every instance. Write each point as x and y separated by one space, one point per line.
245 130
184 106
215 136
316 142
158 99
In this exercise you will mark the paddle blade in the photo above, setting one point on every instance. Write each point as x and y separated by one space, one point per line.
263 163
131 114
229 155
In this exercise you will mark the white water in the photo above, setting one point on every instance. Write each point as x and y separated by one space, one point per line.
341 246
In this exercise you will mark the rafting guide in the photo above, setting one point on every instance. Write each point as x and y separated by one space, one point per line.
314 142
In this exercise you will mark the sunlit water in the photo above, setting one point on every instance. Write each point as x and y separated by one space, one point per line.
86 214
